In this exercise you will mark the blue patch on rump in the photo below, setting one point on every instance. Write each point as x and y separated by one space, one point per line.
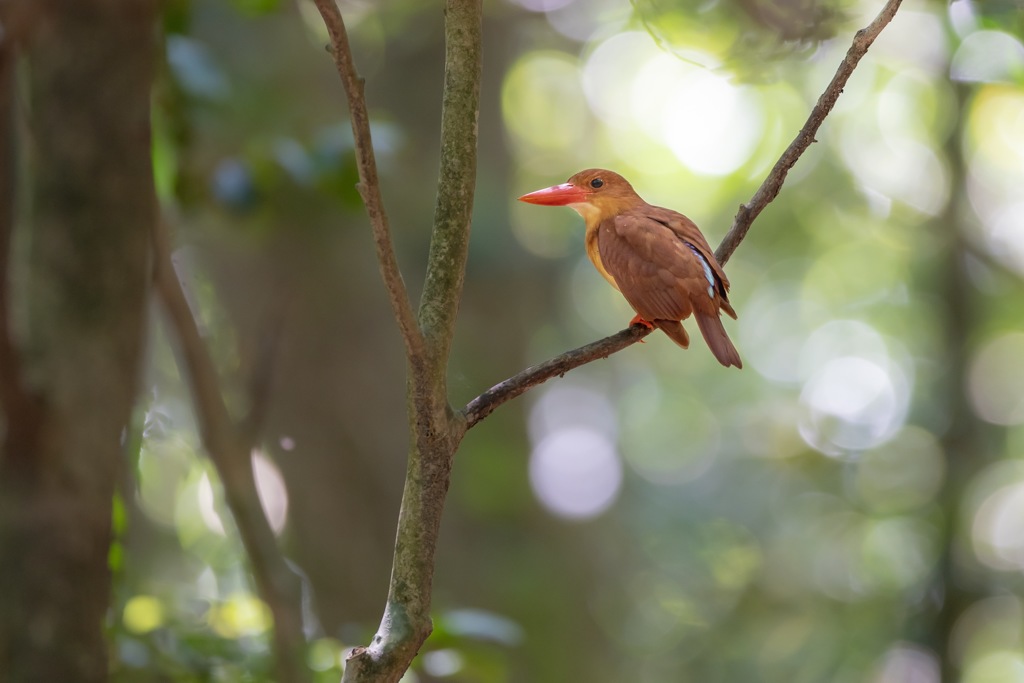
709 274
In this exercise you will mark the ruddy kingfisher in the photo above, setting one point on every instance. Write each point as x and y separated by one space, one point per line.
656 257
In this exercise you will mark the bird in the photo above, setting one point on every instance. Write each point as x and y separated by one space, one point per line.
656 257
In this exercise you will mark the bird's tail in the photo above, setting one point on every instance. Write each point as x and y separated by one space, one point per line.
675 331
718 341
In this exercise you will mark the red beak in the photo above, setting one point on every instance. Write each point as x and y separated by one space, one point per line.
558 195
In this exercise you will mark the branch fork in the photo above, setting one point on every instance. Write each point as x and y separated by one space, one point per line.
435 427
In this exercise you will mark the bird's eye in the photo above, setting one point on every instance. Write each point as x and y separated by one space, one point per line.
596 183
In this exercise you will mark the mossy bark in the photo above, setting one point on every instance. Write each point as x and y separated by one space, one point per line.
435 429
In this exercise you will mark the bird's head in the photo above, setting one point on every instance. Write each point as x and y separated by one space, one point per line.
594 193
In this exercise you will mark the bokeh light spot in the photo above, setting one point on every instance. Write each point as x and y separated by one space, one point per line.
242 614
998 529
324 654
898 553
995 382
543 5
143 613
987 56
571 404
163 468
483 625
609 73
442 663
543 102
853 403
838 338
1005 233
208 506
898 167
272 490
711 125
576 472
1001 666
987 625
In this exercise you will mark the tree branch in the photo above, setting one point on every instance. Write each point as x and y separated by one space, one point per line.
369 185
230 452
484 404
769 189
434 429
449 244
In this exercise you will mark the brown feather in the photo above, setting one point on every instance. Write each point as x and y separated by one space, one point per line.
650 254
675 331
718 341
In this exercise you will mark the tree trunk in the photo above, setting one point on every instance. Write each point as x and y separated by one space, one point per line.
963 442
70 374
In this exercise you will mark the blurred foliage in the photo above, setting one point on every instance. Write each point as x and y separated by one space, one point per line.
847 508
743 32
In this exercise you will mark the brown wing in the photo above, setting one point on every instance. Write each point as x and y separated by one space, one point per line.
688 231
658 272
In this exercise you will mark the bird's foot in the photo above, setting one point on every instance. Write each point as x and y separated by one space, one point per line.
637 320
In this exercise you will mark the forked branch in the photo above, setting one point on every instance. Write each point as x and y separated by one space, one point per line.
434 429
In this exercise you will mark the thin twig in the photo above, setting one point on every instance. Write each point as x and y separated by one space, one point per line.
482 406
215 425
769 189
229 451
369 185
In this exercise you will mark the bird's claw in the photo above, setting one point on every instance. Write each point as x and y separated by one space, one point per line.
637 320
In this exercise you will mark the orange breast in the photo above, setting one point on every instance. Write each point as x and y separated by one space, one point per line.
594 252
